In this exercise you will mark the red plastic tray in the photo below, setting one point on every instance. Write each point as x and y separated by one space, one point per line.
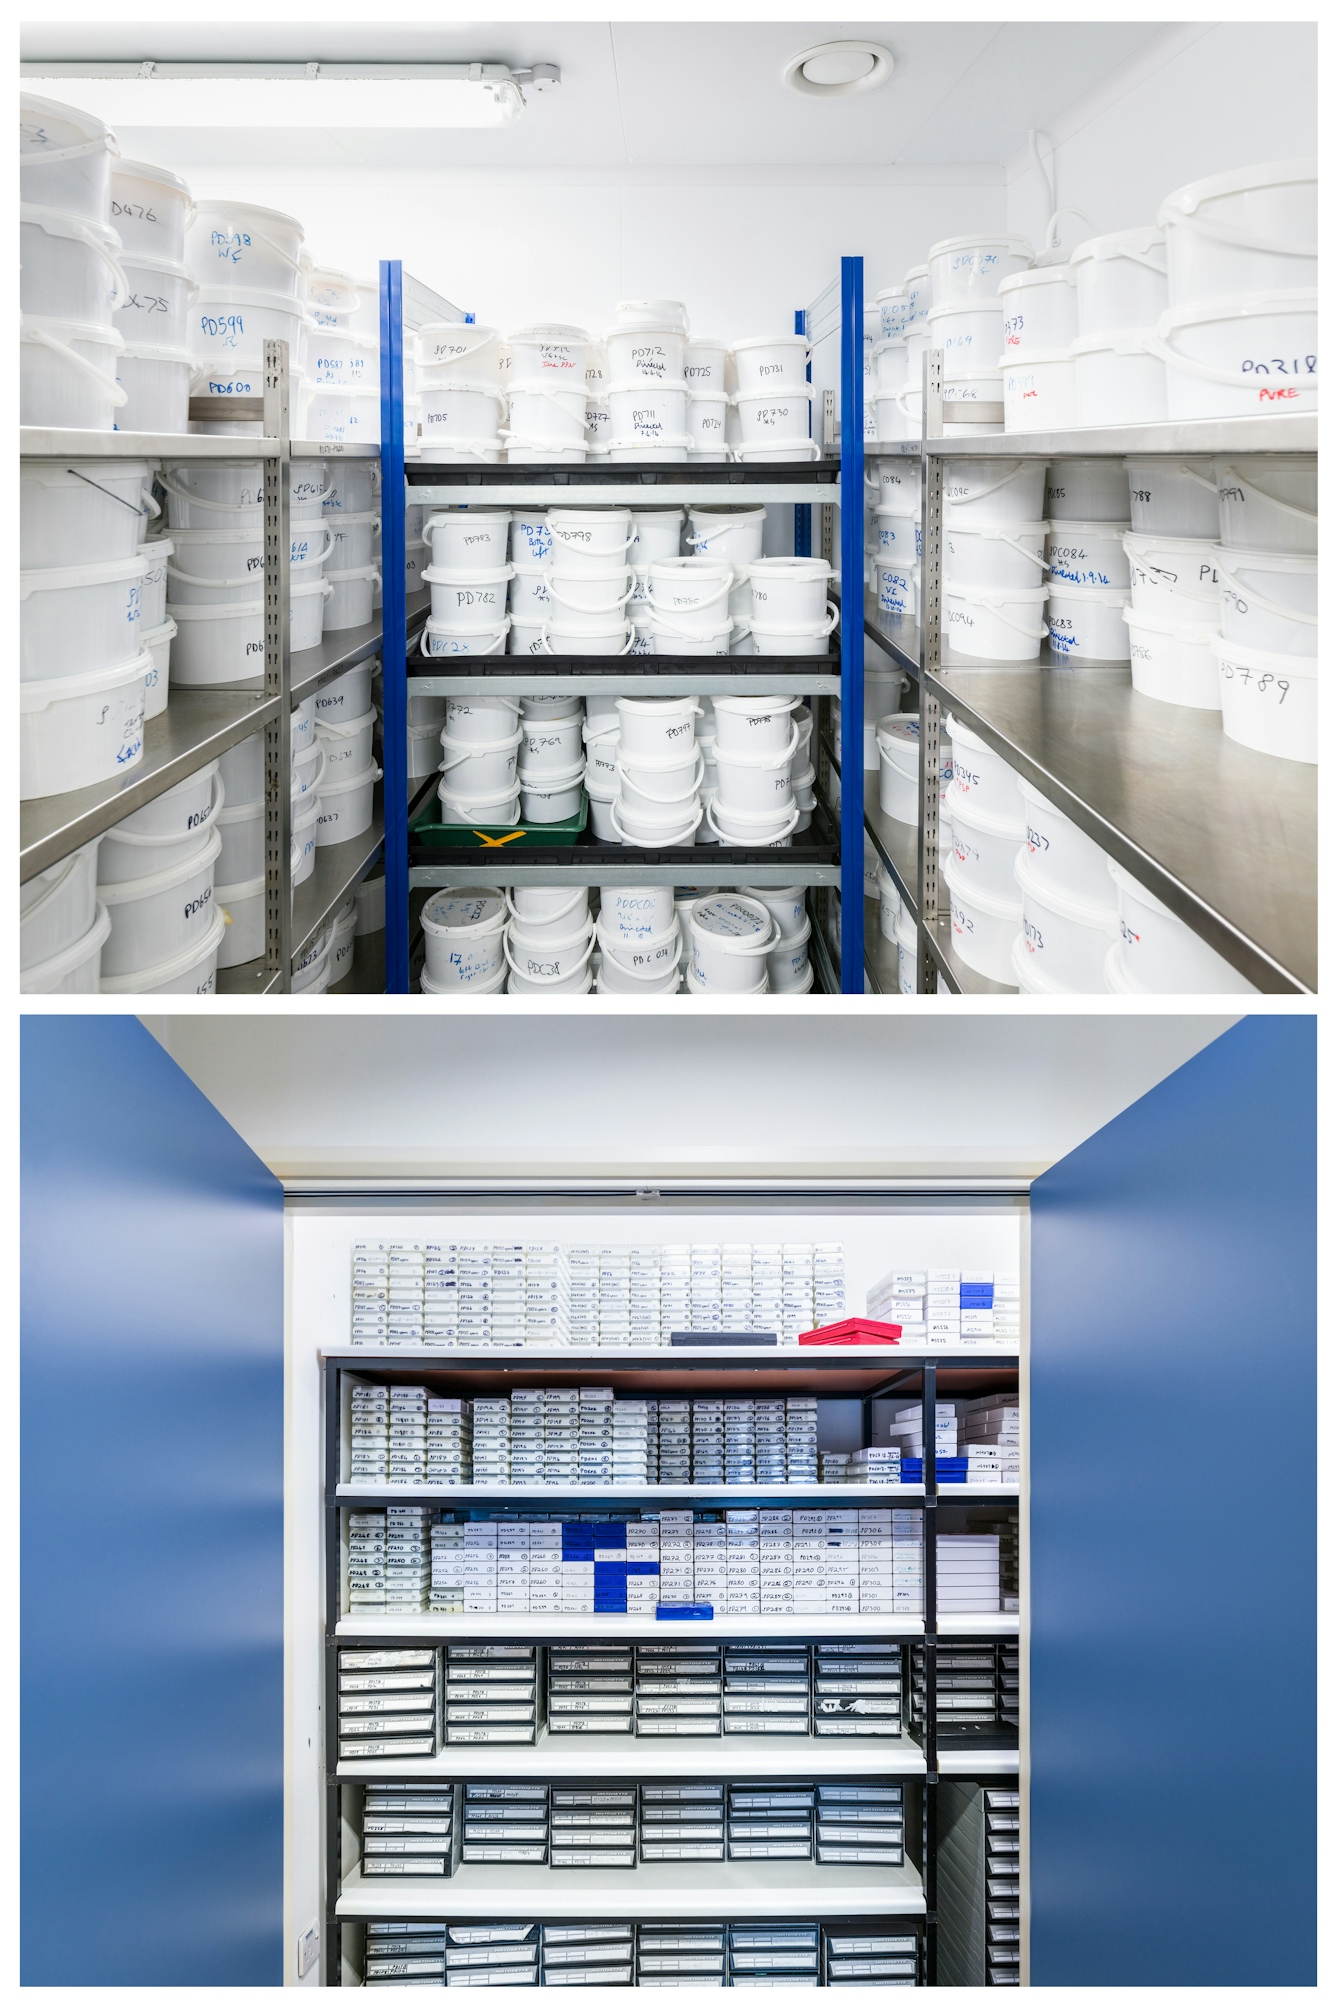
853 1331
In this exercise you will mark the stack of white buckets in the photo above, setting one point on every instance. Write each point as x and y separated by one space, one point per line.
645 941
647 391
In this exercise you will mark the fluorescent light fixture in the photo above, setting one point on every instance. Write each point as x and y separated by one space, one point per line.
326 95
839 69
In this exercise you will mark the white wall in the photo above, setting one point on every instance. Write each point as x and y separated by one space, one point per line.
742 247
1196 101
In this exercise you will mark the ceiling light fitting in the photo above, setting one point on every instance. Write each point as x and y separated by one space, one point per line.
839 69
309 94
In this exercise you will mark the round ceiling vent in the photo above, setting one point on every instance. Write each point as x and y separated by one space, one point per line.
839 69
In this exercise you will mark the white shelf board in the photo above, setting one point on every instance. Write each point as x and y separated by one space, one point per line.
891 1356
983 1624
735 1889
650 1494
662 1756
546 1627
956 1760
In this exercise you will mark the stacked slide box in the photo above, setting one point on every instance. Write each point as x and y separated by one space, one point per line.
771 1822
682 1822
593 1826
680 1954
409 1828
405 1954
506 1825
866 1958
857 1689
1003 1934
590 1689
678 1690
492 1693
492 1954
862 1824
587 1954
767 1690
389 1702
774 1954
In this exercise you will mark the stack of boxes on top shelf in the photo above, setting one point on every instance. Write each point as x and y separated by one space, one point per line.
975 1442
483 1293
949 1309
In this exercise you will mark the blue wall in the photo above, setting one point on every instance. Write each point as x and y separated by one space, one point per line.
152 1491
1173 1531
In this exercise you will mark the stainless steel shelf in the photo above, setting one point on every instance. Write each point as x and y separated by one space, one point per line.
1274 432
708 876
1225 837
195 728
961 980
898 638
897 843
48 442
891 449
527 493
880 955
658 682
335 654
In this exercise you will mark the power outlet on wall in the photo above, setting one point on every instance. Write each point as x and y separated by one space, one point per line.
308 1949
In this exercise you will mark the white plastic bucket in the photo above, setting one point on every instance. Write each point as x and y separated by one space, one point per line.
153 589
982 777
306 604
655 728
156 382
165 832
706 424
69 269
601 766
158 916
480 767
1086 491
337 360
1039 309
636 912
661 791
1064 941
240 246
468 539
704 365
218 644
546 423
984 848
526 638
423 748
154 310
549 746
651 352
540 959
1269 599
228 328
731 938
889 368
1173 576
645 413
770 362
695 987
350 600
551 797
586 634
898 536
760 726
615 980
999 492
642 957
983 926
1160 953
308 768
241 907
1254 229
540 908
1173 498
73 970
547 354
968 268
462 936
305 813
970 333
77 730
585 540
346 805
342 943
898 589
1270 702
190 972
241 829
1121 379
1003 624
91 510
1086 554
347 744
64 158
899 768
1060 856
787 592
348 696
531 537
1233 357
351 539
577 983
481 718
893 308
470 598
689 596
601 816
1121 280
462 417
448 350
754 783
59 906
85 615
1272 505
67 374
776 418
1086 622
464 640
671 827
752 828
789 972
981 554
1172 658
1040 392
655 535
595 598
498 810
488 987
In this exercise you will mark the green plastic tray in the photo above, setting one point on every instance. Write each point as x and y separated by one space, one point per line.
427 828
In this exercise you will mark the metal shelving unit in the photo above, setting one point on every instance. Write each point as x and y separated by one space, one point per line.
198 725
739 1888
834 325
1225 837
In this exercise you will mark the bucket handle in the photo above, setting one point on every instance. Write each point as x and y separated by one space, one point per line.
146 506
767 760
1154 344
993 487
735 842
581 892
573 608
624 650
1193 473
1292 508
731 579
747 445
560 543
698 776
545 980
83 235
476 746
1257 598
189 578
1027 633
1001 536
313 785
201 501
1240 240
33 333
650 843
496 648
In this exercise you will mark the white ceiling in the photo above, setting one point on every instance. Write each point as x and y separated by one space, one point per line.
543 1094
643 95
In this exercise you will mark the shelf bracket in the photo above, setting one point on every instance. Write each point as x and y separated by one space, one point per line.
278 677
931 645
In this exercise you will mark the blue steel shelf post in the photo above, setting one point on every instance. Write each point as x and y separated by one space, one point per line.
803 513
852 626
394 638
